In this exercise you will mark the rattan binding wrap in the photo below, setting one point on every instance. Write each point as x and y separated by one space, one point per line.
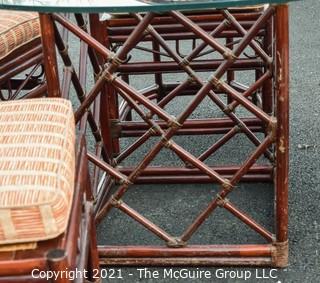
37 164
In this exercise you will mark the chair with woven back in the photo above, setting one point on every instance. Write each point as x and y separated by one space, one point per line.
21 72
46 222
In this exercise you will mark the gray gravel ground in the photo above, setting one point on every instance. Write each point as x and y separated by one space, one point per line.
176 212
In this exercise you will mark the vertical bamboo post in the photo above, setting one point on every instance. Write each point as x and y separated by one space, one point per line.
282 136
267 93
230 73
108 98
49 55
93 260
158 77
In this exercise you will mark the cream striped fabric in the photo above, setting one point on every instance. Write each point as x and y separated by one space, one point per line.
37 164
16 29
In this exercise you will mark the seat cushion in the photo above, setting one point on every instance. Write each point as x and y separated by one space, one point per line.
37 168
17 29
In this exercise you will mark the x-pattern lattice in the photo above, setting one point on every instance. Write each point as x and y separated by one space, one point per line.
134 99
207 89
262 30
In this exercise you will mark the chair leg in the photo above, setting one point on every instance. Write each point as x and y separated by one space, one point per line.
93 259
57 262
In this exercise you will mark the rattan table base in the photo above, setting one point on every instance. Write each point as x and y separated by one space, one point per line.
114 99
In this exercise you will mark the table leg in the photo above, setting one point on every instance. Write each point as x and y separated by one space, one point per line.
282 142
108 98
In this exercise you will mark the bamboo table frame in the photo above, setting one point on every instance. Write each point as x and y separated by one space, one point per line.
274 123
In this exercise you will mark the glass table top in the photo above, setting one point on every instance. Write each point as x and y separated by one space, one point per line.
120 6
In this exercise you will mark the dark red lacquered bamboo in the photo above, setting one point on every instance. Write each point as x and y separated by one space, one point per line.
198 65
282 135
199 32
267 89
185 66
204 16
83 35
15 70
66 82
219 143
200 179
107 100
28 54
248 220
50 62
130 30
190 251
177 28
187 261
225 191
144 221
266 76
241 29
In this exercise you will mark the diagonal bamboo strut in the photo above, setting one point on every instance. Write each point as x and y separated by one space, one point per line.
28 77
183 85
219 143
180 88
225 191
141 140
165 140
91 52
255 46
185 21
145 222
184 155
185 66
215 79
83 36
226 204
106 167
189 58
252 89
107 75
247 220
76 82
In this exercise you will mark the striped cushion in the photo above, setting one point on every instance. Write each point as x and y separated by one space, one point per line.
16 29
37 164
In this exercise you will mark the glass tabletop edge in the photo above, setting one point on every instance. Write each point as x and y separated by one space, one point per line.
135 9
